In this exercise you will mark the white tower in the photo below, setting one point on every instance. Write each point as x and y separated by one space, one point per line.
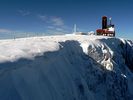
110 19
75 29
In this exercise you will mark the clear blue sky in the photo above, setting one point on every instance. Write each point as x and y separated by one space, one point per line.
52 16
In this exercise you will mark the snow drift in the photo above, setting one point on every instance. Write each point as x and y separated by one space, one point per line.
71 67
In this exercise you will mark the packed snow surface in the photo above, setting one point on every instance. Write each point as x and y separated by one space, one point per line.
67 67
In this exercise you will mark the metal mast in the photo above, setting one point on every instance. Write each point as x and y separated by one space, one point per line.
75 28
110 21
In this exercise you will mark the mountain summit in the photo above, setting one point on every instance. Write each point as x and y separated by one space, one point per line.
67 67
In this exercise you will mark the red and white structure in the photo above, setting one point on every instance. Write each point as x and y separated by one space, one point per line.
107 30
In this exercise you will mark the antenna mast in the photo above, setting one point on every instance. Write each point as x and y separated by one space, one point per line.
110 21
75 28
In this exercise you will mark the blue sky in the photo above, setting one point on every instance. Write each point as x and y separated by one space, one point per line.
59 16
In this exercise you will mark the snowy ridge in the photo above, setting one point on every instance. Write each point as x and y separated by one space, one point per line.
71 67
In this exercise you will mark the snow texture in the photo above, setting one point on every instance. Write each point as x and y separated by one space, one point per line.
67 67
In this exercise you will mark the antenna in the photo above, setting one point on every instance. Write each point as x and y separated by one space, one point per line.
110 20
75 28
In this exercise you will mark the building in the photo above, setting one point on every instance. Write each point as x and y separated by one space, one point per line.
107 30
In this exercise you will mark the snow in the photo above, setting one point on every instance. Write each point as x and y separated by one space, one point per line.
111 29
66 67
11 50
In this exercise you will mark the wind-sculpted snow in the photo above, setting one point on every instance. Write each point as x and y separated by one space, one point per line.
66 68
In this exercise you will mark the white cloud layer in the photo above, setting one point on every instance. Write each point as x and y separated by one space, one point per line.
54 24
42 17
57 21
5 31
24 12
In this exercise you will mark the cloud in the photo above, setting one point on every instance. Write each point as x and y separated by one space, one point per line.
54 32
57 21
59 29
50 27
42 17
55 28
24 12
54 24
5 31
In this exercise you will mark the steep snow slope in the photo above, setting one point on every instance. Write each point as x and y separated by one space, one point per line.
71 67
